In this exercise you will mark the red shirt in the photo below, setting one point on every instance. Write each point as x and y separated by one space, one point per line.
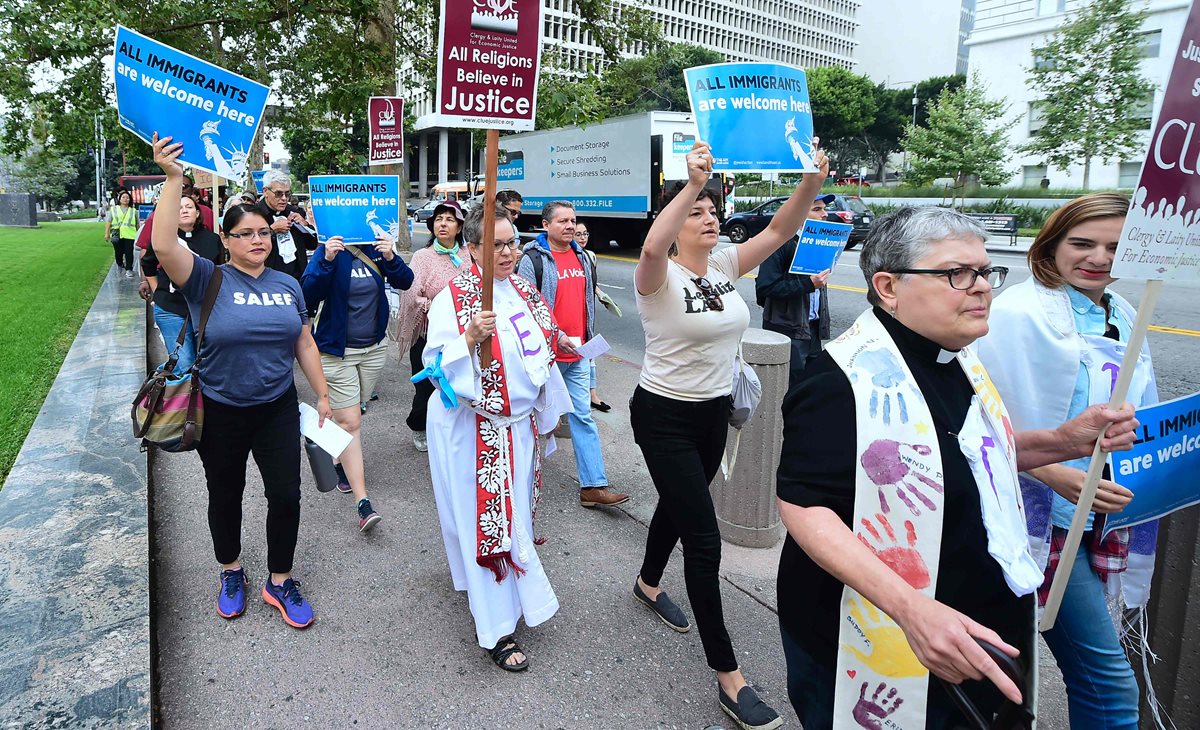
570 304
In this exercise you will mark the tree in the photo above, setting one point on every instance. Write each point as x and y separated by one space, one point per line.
894 112
967 138
844 105
654 81
45 173
564 99
1089 88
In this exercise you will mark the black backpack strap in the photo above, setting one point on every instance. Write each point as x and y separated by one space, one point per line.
538 264
210 298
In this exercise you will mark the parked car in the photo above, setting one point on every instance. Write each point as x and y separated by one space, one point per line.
842 209
851 209
853 180
741 226
426 211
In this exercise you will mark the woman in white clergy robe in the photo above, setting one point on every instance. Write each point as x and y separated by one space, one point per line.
484 452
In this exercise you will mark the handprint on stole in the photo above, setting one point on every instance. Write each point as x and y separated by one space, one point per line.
870 713
885 466
890 655
887 375
904 560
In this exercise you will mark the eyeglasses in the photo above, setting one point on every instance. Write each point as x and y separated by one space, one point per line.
285 194
584 234
512 243
712 298
264 234
964 277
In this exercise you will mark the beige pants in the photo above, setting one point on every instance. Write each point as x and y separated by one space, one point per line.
352 377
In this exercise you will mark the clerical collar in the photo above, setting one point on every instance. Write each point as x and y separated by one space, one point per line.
907 340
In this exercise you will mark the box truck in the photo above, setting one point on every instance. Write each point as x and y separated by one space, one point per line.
614 172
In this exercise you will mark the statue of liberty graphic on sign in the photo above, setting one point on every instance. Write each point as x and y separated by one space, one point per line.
495 15
792 135
392 230
228 163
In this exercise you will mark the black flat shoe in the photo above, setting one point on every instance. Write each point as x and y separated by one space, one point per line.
665 609
505 648
749 712
601 406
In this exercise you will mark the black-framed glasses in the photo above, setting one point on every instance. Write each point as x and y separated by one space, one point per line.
584 234
964 277
712 298
264 234
285 194
513 243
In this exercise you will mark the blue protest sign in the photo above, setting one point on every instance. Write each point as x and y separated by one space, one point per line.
1163 468
755 116
258 180
356 207
213 112
821 244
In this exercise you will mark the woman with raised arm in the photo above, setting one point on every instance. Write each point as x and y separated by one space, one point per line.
257 329
694 320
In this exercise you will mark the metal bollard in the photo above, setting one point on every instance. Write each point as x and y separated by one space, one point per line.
745 502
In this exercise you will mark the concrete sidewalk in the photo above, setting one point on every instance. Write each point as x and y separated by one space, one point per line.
394 645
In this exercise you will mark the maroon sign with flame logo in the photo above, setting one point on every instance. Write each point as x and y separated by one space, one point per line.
1161 238
385 119
488 57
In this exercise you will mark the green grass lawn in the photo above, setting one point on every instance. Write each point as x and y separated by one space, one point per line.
47 284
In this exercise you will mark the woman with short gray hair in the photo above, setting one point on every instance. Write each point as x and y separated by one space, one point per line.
898 487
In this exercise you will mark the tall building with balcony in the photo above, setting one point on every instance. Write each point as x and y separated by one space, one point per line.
808 33
1002 47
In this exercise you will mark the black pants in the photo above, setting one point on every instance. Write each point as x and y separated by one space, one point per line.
422 390
270 431
682 443
123 253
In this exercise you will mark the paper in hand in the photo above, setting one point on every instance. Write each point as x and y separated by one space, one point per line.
593 348
330 437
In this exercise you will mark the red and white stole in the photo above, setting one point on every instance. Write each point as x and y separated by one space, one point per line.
493 439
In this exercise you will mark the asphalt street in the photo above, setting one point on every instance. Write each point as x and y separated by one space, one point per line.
1174 336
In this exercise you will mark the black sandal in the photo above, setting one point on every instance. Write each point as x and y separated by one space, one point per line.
505 648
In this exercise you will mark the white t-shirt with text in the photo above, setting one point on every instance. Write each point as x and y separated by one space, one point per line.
689 347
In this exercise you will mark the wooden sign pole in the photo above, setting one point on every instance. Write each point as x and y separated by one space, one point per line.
487 247
1096 468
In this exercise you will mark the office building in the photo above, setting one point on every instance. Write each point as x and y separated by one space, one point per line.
1002 48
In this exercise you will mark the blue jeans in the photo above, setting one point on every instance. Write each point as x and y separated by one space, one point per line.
1102 693
169 325
585 437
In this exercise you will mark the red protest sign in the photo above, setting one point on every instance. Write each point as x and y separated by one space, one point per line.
488 57
1161 237
385 120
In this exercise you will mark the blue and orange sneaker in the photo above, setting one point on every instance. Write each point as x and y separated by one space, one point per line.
296 611
231 602
367 516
